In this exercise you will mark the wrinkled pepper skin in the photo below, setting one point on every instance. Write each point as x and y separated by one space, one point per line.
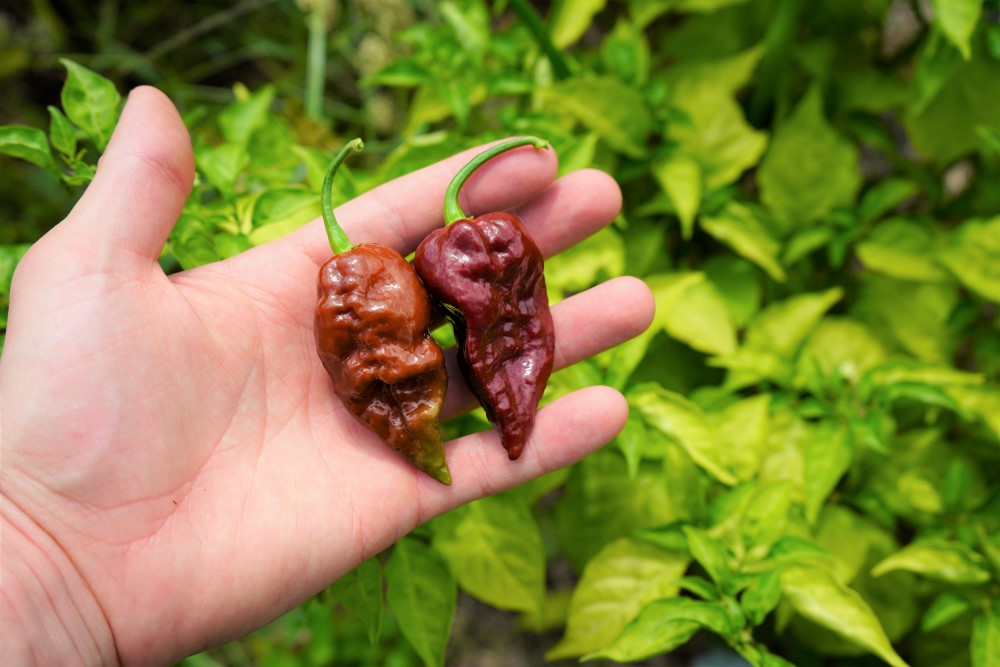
486 274
371 321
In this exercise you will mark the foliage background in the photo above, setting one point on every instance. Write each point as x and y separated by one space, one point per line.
808 475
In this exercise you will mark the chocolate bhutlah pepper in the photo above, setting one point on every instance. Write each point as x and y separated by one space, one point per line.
486 275
372 315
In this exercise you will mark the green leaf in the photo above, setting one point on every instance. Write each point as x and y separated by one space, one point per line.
741 429
631 440
230 245
783 325
90 101
191 242
727 74
494 548
957 20
710 553
570 19
616 584
839 347
605 105
985 644
595 259
238 121
577 152
470 25
938 559
761 597
422 596
884 196
10 255
960 97
625 53
974 257
680 178
668 289
983 402
699 586
279 211
458 96
62 133
680 419
809 168
222 165
704 5
766 516
717 136
739 228
700 318
601 503
360 591
903 249
738 284
898 371
662 626
828 455
399 73
913 315
26 143
816 594
687 485
945 608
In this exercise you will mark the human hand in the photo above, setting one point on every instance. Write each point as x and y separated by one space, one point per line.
176 469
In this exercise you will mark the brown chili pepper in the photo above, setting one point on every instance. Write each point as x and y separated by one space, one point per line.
372 315
486 274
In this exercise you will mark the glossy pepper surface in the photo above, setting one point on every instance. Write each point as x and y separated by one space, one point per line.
486 274
371 321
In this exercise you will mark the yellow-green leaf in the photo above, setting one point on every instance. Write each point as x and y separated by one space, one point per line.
817 595
938 559
677 417
680 177
809 168
957 20
738 227
616 584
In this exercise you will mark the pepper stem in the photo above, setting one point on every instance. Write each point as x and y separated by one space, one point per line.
338 239
452 211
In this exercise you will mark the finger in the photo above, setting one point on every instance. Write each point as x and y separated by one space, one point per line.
400 213
566 430
573 208
584 326
142 181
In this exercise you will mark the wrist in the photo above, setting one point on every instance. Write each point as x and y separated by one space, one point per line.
48 613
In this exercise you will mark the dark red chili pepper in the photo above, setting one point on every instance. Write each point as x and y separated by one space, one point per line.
486 274
372 315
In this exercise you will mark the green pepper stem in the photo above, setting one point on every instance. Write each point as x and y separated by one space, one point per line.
338 239
452 211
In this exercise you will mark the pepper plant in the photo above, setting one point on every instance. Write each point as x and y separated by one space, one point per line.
809 471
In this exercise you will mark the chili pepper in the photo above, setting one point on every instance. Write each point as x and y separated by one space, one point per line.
371 321
486 275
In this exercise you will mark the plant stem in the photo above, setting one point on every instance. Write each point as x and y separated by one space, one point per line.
527 14
452 211
316 62
338 239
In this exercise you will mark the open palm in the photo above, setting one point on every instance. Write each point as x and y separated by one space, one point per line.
175 463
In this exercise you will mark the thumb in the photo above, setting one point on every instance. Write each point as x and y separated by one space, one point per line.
142 181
